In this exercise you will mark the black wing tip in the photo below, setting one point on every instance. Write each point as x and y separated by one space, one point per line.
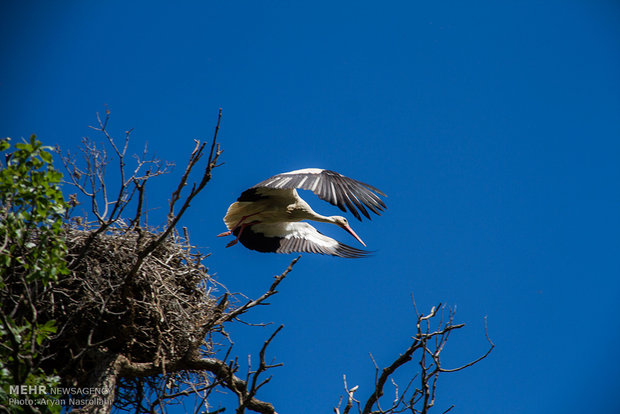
370 187
349 252
376 190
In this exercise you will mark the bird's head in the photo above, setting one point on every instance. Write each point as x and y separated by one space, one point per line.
342 222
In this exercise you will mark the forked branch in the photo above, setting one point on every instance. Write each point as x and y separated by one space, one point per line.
428 344
173 218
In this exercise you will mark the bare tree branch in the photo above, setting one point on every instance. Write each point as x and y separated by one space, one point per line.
427 342
259 301
174 219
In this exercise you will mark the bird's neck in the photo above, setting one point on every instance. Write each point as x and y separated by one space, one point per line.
303 211
323 219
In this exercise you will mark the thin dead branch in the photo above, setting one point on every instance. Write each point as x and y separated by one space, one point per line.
428 344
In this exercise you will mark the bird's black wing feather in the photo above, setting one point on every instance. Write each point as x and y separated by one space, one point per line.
343 192
294 244
275 244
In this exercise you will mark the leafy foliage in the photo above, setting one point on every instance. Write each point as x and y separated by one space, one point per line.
32 212
32 256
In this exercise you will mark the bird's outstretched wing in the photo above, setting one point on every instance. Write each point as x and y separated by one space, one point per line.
332 187
289 237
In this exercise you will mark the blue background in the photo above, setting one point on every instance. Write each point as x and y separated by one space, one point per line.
494 127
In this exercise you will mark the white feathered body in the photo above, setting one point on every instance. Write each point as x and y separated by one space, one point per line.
278 206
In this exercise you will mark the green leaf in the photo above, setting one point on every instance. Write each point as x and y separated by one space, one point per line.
46 156
45 331
24 147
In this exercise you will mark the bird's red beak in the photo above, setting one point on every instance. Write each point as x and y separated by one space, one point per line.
350 230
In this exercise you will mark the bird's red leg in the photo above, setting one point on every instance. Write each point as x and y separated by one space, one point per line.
229 232
243 226
232 243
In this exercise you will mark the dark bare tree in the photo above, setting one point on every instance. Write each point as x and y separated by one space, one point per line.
140 316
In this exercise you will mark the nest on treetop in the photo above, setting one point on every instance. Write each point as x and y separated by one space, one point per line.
157 315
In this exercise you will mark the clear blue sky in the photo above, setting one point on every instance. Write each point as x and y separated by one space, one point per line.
494 127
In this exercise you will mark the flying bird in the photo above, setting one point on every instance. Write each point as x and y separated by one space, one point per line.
268 216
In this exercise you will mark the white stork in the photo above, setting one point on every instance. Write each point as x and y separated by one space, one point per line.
267 217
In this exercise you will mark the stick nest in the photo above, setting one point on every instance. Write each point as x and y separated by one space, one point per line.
157 315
